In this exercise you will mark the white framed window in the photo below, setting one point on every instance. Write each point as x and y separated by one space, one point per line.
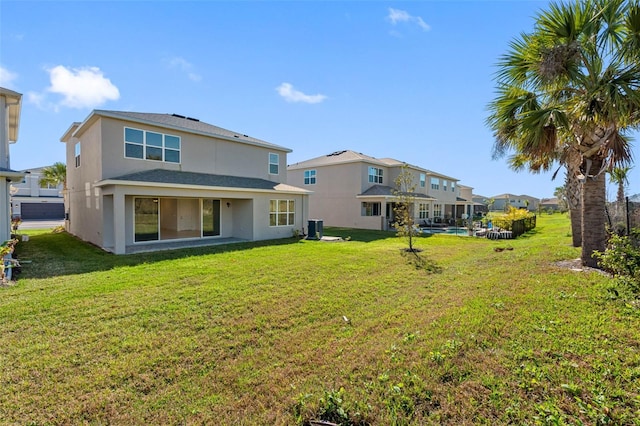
274 163
435 183
309 177
423 180
423 210
282 212
444 185
371 209
437 210
154 146
48 185
77 154
453 187
375 175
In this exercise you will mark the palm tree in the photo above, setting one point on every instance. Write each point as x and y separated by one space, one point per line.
568 92
561 195
54 175
619 176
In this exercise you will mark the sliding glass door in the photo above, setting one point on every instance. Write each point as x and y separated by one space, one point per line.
210 218
158 219
146 219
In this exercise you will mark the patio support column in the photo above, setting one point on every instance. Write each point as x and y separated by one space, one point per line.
119 223
5 210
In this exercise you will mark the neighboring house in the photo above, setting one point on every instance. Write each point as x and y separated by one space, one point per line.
32 200
480 205
466 193
141 181
500 202
10 106
354 190
549 204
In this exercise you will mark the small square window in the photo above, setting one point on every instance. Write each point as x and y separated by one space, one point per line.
309 177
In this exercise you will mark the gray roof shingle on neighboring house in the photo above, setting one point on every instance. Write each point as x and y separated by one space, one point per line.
187 124
172 177
387 191
337 157
11 174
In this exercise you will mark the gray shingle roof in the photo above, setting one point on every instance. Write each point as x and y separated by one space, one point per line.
337 157
171 177
187 124
387 191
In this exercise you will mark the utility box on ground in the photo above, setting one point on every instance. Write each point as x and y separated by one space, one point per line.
315 229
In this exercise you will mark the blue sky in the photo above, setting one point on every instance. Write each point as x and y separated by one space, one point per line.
408 80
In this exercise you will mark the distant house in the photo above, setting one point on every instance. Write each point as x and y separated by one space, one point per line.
32 200
501 201
480 204
550 204
354 190
143 181
10 105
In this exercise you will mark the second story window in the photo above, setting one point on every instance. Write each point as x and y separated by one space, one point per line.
274 163
48 185
423 180
375 175
77 154
435 183
453 187
153 146
444 185
309 177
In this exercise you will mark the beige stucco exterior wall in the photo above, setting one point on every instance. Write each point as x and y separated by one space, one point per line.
333 199
198 154
85 206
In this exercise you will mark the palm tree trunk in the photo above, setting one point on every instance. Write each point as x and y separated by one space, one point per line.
593 215
575 214
573 189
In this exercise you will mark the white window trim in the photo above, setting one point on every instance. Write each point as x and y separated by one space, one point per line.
287 213
77 154
276 164
144 145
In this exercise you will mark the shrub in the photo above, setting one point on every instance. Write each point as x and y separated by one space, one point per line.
622 259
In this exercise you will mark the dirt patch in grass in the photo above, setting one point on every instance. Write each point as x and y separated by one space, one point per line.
577 266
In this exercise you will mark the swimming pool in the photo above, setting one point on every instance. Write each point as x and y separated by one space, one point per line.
450 230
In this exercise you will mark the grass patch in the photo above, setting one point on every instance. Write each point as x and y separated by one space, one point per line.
288 331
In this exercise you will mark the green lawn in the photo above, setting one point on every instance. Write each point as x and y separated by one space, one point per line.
255 334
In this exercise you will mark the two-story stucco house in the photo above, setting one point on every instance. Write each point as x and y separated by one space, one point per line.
141 181
354 190
33 201
10 106
502 201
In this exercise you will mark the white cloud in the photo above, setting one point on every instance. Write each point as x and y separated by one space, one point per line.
290 94
184 66
401 16
6 77
80 87
38 99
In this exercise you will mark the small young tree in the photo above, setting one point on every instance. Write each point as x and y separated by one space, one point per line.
405 200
